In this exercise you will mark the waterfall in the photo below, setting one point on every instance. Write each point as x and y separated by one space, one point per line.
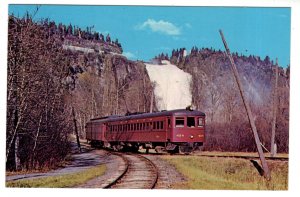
172 86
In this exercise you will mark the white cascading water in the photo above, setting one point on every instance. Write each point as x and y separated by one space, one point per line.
172 86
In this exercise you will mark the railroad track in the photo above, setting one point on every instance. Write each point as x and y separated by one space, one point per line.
139 173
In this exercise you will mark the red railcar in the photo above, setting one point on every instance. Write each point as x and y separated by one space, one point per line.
172 130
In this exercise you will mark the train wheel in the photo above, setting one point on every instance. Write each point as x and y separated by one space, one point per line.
187 148
117 147
174 151
159 149
147 150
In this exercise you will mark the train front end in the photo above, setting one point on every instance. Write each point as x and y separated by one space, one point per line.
187 131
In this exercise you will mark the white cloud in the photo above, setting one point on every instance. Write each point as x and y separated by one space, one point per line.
161 26
129 55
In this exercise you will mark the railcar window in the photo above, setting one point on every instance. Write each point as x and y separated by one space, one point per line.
169 122
161 125
154 125
191 121
200 122
179 122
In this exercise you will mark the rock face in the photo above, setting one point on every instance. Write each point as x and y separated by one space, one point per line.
214 91
213 80
106 83
129 82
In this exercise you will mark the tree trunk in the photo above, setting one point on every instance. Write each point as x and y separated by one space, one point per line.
17 158
35 141
76 129
152 100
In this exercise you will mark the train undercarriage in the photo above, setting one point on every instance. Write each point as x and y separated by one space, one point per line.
159 147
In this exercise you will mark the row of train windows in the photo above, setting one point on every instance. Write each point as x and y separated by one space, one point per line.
157 125
190 122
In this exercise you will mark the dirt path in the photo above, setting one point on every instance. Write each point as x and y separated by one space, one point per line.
80 161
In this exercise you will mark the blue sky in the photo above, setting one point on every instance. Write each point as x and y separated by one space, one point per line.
145 31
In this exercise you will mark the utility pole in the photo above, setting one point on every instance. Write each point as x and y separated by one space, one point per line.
273 151
248 110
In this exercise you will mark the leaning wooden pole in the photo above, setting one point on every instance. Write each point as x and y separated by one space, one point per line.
248 110
273 151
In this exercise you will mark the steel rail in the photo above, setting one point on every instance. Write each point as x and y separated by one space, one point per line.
121 179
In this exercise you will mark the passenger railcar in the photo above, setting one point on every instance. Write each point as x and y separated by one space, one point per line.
174 130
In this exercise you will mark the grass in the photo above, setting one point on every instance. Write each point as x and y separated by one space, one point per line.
217 153
68 180
227 174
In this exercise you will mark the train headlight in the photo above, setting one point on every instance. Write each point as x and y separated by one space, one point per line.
191 136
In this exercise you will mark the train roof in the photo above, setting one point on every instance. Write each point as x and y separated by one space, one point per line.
176 112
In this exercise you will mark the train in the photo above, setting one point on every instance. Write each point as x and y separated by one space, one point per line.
180 130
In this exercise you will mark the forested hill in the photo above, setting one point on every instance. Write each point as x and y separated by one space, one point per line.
215 91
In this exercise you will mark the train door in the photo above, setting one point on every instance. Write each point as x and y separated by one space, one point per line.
104 129
168 128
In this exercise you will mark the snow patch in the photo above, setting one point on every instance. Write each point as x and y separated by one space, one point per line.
172 86
86 50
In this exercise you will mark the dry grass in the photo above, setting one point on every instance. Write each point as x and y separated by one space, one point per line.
254 154
227 174
68 180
